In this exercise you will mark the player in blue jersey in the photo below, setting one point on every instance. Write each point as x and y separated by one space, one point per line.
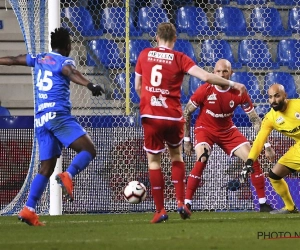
54 125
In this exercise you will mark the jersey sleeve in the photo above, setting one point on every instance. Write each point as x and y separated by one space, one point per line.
68 61
199 95
265 130
138 68
30 60
187 63
246 103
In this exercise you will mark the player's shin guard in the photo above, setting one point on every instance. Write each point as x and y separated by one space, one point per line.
178 175
281 188
37 188
157 187
194 179
79 163
258 180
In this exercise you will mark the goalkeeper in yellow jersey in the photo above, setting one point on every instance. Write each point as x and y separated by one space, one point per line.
285 118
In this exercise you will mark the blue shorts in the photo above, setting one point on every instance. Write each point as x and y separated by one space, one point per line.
54 130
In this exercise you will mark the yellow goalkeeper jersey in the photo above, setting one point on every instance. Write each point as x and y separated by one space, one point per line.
286 122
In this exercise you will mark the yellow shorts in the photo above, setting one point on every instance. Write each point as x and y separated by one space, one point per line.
291 158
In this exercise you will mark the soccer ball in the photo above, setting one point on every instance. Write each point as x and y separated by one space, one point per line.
135 192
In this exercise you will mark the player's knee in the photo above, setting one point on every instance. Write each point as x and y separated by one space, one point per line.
204 157
274 176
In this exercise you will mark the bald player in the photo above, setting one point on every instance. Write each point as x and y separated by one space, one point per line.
214 125
285 118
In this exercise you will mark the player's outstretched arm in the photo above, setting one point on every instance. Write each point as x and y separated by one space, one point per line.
13 60
256 148
256 122
269 152
75 76
215 79
189 109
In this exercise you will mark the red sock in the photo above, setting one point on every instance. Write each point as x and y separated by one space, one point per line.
194 179
258 180
157 187
178 175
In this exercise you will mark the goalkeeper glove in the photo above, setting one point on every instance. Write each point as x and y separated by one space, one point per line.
246 169
95 88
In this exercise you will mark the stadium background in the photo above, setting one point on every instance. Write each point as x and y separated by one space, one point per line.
259 37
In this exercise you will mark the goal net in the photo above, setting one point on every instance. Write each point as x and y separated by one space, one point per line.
259 37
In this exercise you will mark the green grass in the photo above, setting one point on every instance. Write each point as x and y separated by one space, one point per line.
205 230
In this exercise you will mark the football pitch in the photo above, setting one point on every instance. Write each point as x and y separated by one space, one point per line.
205 230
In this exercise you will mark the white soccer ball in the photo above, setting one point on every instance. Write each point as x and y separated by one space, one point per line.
135 192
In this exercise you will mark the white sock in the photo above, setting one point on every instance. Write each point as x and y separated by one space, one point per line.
31 209
262 200
186 201
70 175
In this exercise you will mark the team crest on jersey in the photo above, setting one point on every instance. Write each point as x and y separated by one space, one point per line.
212 97
231 104
297 115
280 120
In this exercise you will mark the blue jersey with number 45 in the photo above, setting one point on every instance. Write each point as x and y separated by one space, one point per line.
52 88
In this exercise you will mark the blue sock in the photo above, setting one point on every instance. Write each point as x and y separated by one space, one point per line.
37 188
79 163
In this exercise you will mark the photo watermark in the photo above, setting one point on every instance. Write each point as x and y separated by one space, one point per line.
277 235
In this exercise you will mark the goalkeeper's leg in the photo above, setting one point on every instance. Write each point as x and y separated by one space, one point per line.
280 185
196 173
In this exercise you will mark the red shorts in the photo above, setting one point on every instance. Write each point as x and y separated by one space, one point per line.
228 140
157 132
